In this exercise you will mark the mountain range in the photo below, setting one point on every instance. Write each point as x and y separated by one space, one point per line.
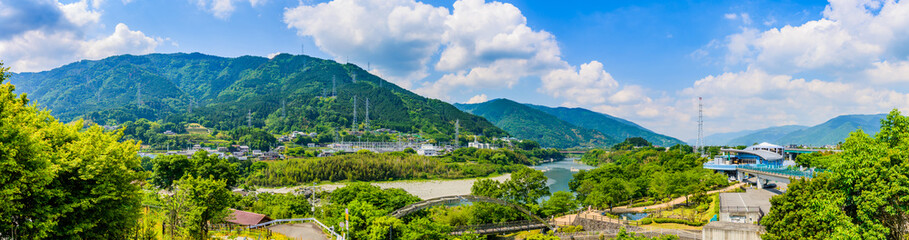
561 126
282 93
831 132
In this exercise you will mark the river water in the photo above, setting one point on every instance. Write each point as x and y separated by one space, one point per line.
560 173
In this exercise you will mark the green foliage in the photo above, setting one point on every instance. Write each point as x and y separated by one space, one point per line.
571 228
57 179
822 160
222 91
625 235
630 143
385 199
170 168
560 202
196 203
276 206
863 195
641 173
368 167
528 123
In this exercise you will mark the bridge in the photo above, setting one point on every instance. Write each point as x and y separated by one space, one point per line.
572 152
763 172
535 222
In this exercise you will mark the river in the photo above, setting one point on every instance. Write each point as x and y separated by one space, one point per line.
560 173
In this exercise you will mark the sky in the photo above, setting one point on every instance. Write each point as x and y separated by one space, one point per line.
755 64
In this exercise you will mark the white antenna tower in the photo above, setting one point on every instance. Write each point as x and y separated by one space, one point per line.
249 118
700 144
283 109
354 78
334 91
367 115
191 105
354 127
457 132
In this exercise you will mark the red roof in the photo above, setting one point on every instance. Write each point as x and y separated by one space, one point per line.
246 218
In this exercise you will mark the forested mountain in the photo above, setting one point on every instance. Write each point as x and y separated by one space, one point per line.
615 128
771 134
526 122
833 131
284 93
718 139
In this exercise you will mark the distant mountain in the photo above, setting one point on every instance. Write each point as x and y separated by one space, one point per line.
614 127
834 130
283 93
721 138
523 121
771 134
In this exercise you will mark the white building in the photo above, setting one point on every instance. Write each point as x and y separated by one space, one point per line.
428 150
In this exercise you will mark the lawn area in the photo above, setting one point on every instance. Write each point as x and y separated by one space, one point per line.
702 213
670 226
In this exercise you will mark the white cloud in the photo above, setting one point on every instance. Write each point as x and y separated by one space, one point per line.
79 13
45 45
221 8
397 36
887 72
731 16
589 85
851 36
478 99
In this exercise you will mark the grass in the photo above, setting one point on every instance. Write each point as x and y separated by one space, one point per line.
670 226
249 234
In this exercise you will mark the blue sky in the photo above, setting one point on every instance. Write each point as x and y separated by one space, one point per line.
756 63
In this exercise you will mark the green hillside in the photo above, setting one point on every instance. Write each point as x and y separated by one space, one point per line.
834 130
771 134
222 91
528 123
615 128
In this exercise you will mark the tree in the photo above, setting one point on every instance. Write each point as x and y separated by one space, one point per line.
55 176
863 195
526 186
199 201
170 168
560 202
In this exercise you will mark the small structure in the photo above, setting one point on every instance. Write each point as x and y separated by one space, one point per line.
731 230
246 219
428 150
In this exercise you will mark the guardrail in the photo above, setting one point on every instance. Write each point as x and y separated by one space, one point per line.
337 236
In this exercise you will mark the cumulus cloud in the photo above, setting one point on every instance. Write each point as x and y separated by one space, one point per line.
397 36
41 45
478 99
588 85
889 72
851 36
221 8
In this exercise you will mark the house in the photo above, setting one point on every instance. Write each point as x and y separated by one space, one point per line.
246 219
169 132
428 150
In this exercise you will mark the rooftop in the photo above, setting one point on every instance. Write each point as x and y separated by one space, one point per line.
746 201
246 218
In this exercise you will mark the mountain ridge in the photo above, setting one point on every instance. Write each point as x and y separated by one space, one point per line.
282 93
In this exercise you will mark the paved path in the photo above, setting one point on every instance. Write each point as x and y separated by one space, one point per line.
624 209
300 231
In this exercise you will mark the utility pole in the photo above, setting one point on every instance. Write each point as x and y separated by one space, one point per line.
354 77
334 91
283 109
700 143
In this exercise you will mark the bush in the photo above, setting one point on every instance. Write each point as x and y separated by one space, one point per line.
571 228
673 220
641 204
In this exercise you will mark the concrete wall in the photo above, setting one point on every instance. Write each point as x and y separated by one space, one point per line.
723 234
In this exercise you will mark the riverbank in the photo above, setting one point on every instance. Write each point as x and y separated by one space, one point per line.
424 189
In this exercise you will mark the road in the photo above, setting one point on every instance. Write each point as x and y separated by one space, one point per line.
300 231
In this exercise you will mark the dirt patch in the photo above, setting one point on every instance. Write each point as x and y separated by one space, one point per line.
303 231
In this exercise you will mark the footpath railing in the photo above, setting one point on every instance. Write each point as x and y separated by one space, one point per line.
326 228
500 227
772 170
